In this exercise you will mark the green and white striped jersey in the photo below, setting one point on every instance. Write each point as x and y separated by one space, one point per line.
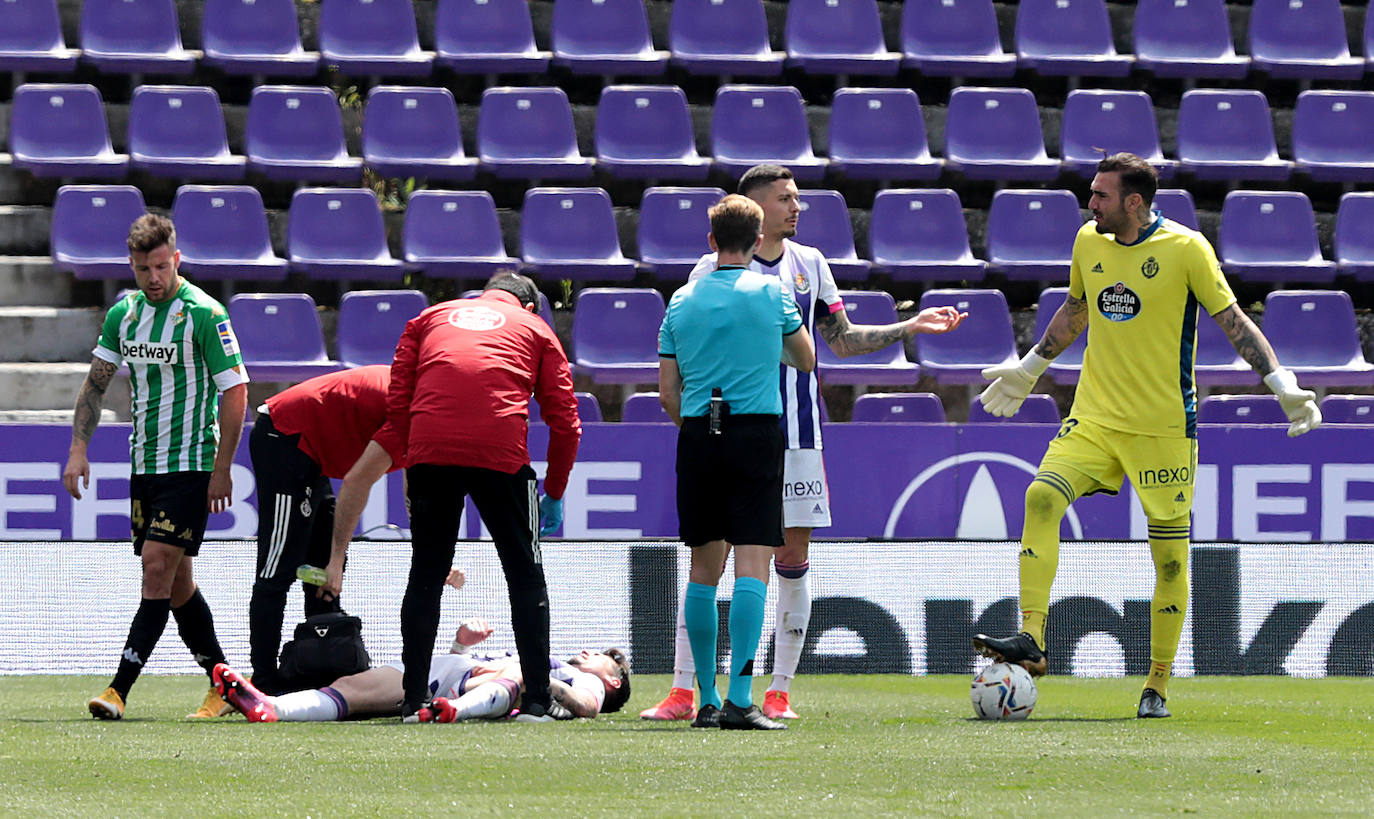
181 354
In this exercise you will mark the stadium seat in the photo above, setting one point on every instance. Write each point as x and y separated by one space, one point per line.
1304 39
1177 204
1354 241
615 334
1031 234
1241 409
1068 365
413 132
222 233
956 38
1228 135
295 132
1038 408
828 37
824 224
879 133
527 133
752 124
133 36
1348 409
1111 121
60 130
1315 335
994 133
645 132
570 233
920 235
644 408
886 366
902 407
1191 39
454 234
372 37
31 37
337 233
371 322
605 37
722 37
178 131
588 409
545 309
255 37
1271 236
487 37
1216 359
1068 38
280 336
90 229
672 229
984 339
1331 135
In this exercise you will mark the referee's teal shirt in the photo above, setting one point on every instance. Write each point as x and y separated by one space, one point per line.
725 330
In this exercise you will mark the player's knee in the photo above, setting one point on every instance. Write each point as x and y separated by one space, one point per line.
1044 502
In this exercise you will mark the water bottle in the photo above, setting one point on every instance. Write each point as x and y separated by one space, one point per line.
313 575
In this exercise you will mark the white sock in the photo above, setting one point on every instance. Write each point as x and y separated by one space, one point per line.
789 635
306 706
487 701
684 667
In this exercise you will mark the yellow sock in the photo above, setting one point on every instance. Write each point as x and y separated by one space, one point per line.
1169 549
1047 499
1033 623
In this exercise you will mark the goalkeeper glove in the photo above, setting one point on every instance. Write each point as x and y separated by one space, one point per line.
1298 404
1011 383
550 515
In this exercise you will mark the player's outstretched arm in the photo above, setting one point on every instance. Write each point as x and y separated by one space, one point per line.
1298 404
77 473
847 339
348 508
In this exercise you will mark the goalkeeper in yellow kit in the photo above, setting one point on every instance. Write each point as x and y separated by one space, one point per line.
1135 283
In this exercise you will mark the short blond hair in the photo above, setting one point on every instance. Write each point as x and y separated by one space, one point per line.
736 222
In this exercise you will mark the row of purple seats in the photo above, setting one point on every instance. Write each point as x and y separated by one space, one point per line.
1265 409
924 407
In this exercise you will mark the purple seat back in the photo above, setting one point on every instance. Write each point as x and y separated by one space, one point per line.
1241 409
673 224
34 26
588 409
368 28
1307 30
585 28
644 408
57 120
1025 225
1334 126
525 123
221 222
1038 408
1213 347
1268 226
877 123
760 122
1313 328
903 407
924 225
341 224
613 325
568 223
277 327
644 122
251 28
1063 28
724 28
824 224
866 307
983 340
90 223
371 322
411 123
453 224
1051 299
1113 121
1194 30
1225 125
177 121
143 27
993 123
823 28
1354 241
951 29
294 122
1348 409
486 28
1177 204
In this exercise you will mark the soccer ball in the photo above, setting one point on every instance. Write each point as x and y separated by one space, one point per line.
1003 691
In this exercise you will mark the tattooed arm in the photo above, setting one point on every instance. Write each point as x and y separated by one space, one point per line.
77 474
847 339
1248 340
1070 320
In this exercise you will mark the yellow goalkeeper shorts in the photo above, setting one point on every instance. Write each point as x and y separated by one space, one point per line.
1160 469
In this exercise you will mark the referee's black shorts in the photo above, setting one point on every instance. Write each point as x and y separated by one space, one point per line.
729 486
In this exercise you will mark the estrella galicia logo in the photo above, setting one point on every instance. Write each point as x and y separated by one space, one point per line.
1118 303
1149 268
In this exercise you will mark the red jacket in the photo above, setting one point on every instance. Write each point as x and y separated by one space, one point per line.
461 385
335 415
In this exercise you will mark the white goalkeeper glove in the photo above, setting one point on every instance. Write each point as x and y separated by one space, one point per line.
1298 404
1011 383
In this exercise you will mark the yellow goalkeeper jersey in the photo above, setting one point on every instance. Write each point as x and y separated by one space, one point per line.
1143 303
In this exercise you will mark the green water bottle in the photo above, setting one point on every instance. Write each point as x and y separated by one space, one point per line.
313 575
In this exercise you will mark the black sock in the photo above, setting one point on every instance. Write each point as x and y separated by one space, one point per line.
196 625
144 632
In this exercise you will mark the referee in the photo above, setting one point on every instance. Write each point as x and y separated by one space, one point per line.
719 348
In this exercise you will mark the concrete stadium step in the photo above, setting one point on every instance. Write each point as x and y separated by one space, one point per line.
59 417
29 386
49 334
32 281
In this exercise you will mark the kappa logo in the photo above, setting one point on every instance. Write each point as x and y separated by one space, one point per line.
1149 268
1097 268
477 317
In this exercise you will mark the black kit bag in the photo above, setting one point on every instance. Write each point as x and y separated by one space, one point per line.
326 647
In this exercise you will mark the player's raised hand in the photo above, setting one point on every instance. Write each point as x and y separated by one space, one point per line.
1298 404
1011 383
455 578
473 631
934 320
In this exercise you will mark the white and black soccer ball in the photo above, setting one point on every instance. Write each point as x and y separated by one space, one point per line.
1003 691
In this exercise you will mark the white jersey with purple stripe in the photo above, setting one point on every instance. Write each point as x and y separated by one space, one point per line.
807 277
449 673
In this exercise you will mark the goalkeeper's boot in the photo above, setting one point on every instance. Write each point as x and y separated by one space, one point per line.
1152 705
1020 649
677 705
707 717
240 693
214 706
776 706
108 705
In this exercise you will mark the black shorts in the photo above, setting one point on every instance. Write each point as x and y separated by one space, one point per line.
729 486
171 508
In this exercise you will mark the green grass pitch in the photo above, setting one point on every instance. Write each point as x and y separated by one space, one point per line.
866 745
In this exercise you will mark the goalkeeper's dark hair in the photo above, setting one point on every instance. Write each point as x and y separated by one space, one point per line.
522 287
617 697
760 176
1137 175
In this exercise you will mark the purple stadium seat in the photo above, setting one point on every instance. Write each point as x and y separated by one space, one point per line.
487 37
920 235
280 336
222 233
1228 135
1369 41
414 132
615 334
605 37
571 233
954 38
1315 336
994 133
1176 204
1348 409
1271 236
1354 241
983 340
886 366
527 133
1068 365
644 408
1038 408
133 36
1331 135
878 133
454 234
337 233
1112 121
372 37
752 124
60 130
1031 233
545 310
1302 38
829 37
722 37
824 224
90 226
255 37
673 227
31 37
902 407
178 131
1190 39
371 322
1068 37
295 132
1241 409
645 132
588 409
1217 362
